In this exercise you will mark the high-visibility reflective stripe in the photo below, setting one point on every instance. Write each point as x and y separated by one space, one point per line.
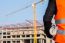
62 21
61 32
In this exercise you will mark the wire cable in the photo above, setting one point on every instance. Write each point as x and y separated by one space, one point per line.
21 9
18 10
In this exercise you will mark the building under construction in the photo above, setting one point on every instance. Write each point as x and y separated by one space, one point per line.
22 33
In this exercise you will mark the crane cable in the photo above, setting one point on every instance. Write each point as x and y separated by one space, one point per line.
21 9
18 10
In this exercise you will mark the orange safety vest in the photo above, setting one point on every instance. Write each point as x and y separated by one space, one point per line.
60 21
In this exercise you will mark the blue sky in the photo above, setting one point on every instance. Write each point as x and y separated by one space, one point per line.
8 6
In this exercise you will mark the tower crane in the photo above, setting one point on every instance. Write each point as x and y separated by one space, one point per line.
34 20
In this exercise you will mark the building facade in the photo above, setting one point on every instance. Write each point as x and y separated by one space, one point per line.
22 35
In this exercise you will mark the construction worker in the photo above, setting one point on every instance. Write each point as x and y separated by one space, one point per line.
59 19
50 12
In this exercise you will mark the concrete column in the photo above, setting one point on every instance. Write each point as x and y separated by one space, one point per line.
30 40
2 34
48 40
53 41
15 41
1 41
41 41
11 41
21 41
